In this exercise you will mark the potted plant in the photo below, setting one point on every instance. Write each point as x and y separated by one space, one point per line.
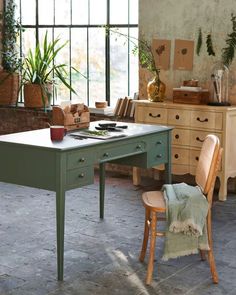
41 72
11 62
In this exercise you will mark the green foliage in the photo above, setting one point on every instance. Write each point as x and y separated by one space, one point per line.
199 42
40 67
209 44
11 61
229 51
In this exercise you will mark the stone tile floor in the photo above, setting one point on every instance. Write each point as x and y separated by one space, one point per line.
101 257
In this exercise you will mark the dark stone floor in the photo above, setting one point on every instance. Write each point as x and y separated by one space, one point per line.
101 257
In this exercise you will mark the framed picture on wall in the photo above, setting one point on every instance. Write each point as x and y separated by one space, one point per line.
183 56
161 52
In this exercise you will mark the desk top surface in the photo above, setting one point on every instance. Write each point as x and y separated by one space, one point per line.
41 138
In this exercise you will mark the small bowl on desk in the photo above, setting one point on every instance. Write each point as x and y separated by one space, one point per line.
100 104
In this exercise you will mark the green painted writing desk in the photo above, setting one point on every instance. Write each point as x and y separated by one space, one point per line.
32 159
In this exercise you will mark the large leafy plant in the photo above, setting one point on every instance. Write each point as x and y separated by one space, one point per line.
11 61
40 66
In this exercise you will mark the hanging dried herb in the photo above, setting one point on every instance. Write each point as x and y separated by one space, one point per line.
228 52
210 49
199 42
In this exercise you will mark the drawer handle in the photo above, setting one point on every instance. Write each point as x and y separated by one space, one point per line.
138 147
159 142
198 139
81 175
177 117
205 120
154 116
176 156
159 156
177 136
82 160
196 158
105 155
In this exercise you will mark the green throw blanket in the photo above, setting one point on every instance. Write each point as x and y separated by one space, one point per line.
186 211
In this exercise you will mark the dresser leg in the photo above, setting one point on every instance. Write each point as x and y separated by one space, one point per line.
136 176
223 188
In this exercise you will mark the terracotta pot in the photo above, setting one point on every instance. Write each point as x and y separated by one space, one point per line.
33 95
9 88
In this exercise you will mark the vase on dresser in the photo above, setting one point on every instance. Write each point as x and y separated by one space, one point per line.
156 90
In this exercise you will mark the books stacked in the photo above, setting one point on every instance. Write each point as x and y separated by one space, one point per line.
125 107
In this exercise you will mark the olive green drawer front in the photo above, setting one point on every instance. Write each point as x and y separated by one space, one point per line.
122 150
79 177
79 159
158 152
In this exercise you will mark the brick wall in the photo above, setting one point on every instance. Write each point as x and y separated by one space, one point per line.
17 119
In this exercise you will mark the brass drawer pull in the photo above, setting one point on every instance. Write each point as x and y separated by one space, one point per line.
177 117
176 156
205 120
159 156
177 136
105 155
198 139
196 158
82 160
154 116
81 175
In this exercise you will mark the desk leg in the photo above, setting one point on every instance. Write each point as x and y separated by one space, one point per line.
101 188
168 178
60 215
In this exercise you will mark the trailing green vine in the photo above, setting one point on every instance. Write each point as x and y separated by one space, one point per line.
209 44
199 41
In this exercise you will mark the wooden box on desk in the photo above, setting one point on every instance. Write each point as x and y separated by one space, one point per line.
75 116
181 95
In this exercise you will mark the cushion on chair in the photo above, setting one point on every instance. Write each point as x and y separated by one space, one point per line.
154 200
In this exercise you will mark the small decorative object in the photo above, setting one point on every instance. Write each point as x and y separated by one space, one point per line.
219 82
156 90
74 116
191 83
57 132
101 104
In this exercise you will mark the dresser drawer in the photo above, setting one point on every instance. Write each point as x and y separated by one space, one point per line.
122 150
151 115
79 159
180 156
79 177
194 157
206 120
178 117
197 137
180 136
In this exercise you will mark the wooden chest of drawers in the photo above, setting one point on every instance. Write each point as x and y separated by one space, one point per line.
191 124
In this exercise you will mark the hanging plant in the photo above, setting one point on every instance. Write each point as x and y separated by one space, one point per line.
209 43
199 42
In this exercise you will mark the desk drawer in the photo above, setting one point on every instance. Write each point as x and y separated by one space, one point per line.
151 115
159 149
79 159
122 150
79 177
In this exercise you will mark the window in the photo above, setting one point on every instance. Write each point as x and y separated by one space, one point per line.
106 59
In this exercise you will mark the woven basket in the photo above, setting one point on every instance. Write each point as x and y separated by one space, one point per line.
9 88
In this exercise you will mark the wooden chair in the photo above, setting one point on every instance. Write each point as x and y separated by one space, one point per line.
154 203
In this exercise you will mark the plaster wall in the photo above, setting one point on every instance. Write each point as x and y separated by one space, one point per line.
171 19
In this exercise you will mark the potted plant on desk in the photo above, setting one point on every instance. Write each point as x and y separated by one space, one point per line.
41 72
11 62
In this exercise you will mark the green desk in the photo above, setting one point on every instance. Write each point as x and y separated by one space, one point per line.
32 159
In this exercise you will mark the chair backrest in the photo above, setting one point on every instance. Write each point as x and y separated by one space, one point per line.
208 164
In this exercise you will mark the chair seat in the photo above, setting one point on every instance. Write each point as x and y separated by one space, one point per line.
154 201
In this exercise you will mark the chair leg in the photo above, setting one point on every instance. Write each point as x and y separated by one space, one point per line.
152 248
203 255
145 235
210 252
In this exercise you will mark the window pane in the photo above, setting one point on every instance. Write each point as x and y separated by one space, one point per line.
80 12
28 12
46 12
119 12
96 65
98 12
133 11
62 12
62 91
133 64
28 41
79 61
119 66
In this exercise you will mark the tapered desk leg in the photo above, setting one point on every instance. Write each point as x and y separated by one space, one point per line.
101 187
168 178
60 216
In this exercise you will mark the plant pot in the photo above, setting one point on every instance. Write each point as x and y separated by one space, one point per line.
35 96
9 88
